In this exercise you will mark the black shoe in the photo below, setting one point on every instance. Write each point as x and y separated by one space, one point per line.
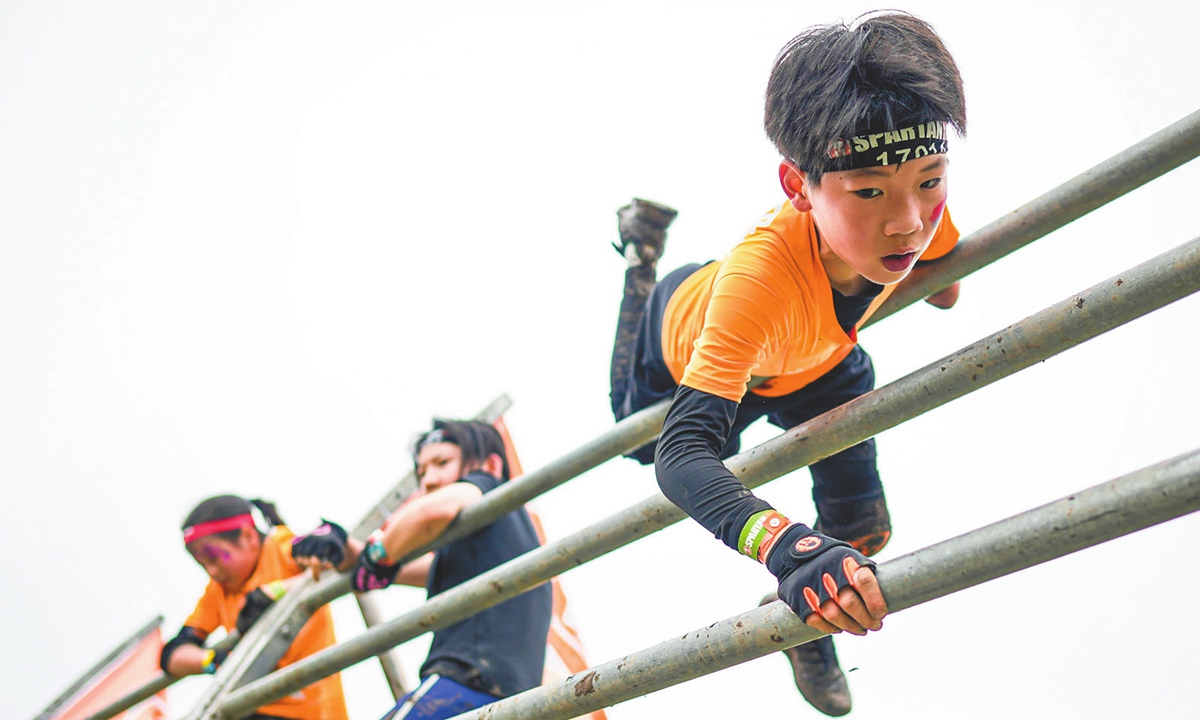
862 522
818 677
642 225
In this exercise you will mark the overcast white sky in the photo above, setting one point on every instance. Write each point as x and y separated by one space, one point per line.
254 247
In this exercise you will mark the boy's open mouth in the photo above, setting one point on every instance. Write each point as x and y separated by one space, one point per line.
899 262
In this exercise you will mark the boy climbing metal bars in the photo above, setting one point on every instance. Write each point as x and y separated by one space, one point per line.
501 650
859 113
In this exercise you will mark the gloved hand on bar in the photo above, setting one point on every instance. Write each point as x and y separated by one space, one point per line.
828 583
374 571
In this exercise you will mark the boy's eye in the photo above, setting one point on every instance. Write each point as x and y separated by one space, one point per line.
868 193
931 183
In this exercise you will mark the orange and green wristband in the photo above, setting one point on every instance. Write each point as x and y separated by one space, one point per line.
760 532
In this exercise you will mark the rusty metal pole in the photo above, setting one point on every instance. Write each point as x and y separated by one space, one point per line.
1154 156
1128 170
1119 507
1110 304
389 661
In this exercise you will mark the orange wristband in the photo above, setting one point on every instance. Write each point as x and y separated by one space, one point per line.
759 533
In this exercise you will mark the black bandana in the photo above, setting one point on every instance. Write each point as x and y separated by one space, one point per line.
877 147
433 437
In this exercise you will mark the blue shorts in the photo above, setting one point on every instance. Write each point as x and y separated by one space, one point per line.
437 698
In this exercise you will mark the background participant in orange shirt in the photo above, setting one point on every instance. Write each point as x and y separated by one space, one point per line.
860 115
246 550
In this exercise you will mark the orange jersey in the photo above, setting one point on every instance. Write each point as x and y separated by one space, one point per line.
766 310
323 700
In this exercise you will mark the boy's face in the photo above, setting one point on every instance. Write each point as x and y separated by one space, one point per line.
230 564
875 221
438 465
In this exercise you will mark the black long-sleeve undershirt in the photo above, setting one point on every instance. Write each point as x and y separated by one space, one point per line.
689 469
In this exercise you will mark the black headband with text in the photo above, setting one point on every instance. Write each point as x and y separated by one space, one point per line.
879 147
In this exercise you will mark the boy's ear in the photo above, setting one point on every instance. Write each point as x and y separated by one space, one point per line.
795 185
494 466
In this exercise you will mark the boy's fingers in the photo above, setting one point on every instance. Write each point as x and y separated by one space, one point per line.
840 618
852 603
316 569
817 622
868 588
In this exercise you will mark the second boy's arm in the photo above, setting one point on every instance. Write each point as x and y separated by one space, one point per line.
417 522
422 520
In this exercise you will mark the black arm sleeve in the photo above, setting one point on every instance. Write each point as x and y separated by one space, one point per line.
689 468
187 636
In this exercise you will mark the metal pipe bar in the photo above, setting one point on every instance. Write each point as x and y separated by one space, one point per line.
1154 156
69 694
1127 504
1167 149
628 434
155 685
372 616
1112 303
1128 170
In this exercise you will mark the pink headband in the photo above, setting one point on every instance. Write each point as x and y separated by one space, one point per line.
237 522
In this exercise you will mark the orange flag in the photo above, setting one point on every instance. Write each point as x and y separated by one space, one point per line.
128 668
564 650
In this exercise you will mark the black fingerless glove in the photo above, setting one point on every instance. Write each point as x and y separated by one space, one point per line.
257 602
326 543
812 568
371 573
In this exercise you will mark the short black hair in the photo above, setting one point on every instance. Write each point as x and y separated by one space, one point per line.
477 440
887 70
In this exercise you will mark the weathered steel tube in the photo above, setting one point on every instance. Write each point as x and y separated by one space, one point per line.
1139 164
1115 508
1114 302
159 683
1156 155
1128 170
389 661
632 432
155 685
